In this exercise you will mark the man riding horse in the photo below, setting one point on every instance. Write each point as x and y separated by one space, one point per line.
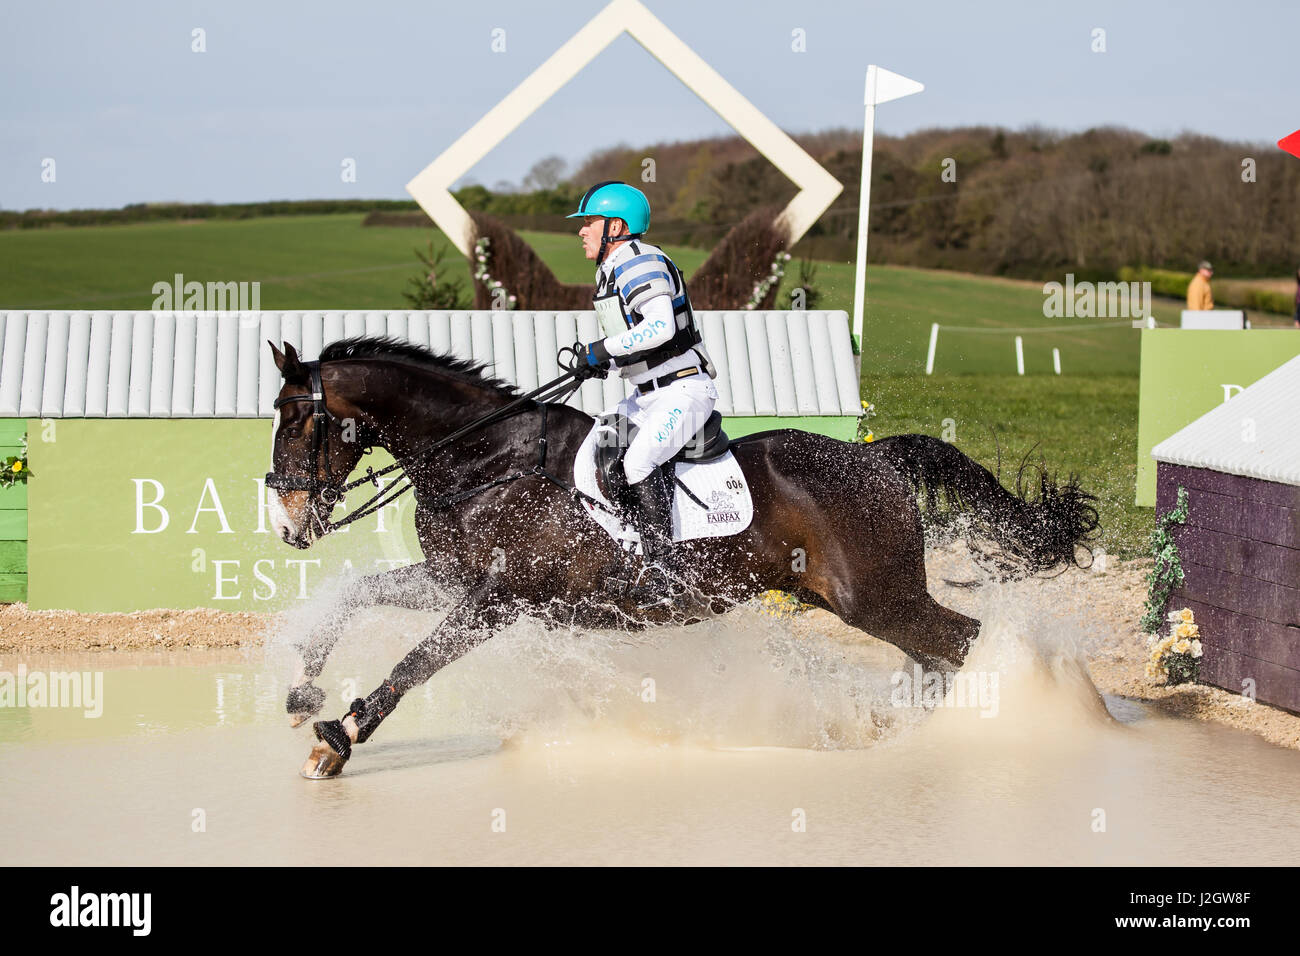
651 339
505 530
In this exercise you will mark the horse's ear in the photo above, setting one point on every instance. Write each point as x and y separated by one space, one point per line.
287 361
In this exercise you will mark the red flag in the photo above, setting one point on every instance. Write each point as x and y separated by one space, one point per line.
1290 143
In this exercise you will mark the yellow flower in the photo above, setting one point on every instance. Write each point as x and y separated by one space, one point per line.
870 437
1185 615
18 466
1183 647
1184 631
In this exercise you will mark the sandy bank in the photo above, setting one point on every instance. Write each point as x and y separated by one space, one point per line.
43 632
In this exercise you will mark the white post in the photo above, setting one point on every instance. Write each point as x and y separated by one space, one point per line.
882 86
929 356
1056 360
864 212
1020 356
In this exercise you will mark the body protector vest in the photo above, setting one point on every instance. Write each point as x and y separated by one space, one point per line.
616 318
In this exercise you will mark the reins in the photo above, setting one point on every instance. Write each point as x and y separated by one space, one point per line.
558 389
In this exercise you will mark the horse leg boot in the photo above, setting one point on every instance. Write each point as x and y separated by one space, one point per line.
337 736
411 586
469 623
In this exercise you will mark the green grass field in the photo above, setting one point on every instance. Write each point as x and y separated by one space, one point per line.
317 262
1084 420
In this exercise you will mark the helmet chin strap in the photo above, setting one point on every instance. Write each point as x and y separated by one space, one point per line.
606 240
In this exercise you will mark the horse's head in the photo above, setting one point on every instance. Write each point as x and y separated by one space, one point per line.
315 444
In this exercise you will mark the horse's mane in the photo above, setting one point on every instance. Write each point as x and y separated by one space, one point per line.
383 347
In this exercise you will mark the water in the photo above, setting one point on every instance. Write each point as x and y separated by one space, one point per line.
709 744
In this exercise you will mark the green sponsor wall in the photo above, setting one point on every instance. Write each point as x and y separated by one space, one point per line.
130 514
1184 374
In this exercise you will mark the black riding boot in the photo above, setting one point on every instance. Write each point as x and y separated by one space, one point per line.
650 509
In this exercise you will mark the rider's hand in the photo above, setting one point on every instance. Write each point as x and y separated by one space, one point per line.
586 363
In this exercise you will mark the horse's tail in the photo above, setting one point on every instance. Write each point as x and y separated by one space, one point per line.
1038 532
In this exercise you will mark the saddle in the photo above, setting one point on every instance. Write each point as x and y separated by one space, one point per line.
708 443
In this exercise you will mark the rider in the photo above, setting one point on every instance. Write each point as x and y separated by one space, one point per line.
652 340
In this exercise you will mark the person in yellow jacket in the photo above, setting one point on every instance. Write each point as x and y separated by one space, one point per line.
1199 296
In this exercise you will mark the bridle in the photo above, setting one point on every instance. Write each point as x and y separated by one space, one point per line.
321 416
331 488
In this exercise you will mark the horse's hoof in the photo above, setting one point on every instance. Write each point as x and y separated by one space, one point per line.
303 703
327 757
322 763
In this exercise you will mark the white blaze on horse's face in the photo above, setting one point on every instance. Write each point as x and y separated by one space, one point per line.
288 510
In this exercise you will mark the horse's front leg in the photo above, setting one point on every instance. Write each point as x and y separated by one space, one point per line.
412 586
470 623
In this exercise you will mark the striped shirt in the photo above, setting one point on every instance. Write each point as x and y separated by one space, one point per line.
641 273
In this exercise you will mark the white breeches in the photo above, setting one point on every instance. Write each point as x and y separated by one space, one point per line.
667 419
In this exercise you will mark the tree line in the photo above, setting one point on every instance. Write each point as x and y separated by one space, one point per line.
1033 203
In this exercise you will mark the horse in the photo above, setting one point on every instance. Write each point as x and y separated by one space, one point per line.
836 524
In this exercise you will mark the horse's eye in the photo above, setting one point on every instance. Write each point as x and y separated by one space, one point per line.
291 433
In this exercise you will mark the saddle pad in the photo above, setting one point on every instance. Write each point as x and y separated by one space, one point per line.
720 486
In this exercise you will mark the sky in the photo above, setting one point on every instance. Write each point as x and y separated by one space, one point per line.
285 92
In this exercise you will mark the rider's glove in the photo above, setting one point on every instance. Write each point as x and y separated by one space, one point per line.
589 361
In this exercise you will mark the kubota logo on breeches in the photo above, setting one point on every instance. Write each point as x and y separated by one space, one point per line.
663 433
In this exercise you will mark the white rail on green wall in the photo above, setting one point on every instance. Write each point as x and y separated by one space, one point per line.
217 364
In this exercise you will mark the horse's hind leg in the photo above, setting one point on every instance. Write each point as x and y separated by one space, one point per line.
411 586
470 623
903 613
889 601
935 636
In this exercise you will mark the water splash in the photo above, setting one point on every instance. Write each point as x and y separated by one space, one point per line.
740 681
744 680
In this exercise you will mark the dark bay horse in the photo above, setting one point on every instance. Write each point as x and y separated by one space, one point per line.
836 524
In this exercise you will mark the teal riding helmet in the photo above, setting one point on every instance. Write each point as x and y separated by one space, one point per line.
615 200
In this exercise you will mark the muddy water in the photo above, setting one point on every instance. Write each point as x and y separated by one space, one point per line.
746 740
